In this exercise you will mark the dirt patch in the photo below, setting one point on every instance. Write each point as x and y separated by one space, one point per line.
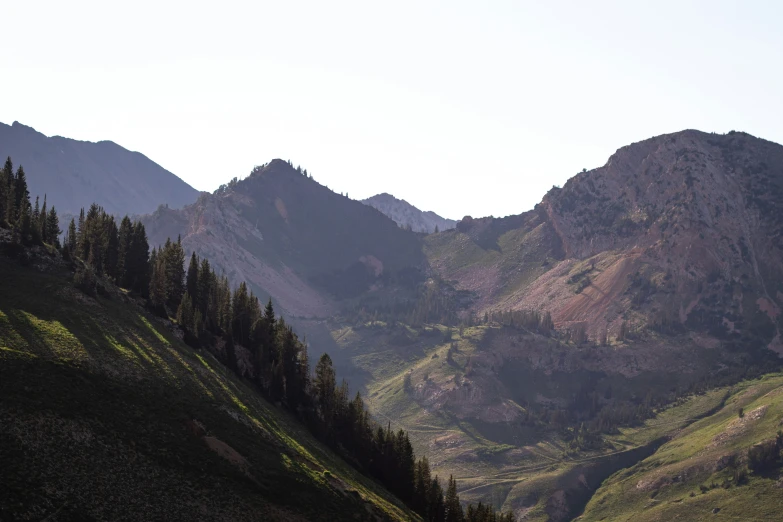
653 483
591 304
372 263
227 452
280 206
768 307
737 427
776 345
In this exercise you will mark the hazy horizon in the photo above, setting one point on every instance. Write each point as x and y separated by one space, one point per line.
456 108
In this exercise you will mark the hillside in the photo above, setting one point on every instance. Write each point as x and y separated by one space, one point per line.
106 415
406 215
74 174
701 471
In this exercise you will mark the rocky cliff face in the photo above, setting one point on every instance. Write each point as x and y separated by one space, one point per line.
679 231
406 215
74 174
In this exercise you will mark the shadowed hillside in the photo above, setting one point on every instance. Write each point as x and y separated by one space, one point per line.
291 238
74 174
106 415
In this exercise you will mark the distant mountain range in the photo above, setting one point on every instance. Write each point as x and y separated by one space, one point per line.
406 215
74 174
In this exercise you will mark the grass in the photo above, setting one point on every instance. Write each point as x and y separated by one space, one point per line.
99 405
488 464
669 483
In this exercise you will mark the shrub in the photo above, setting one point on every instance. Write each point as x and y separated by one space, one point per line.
84 280
763 456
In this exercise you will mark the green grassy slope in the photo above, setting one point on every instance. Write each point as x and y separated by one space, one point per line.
104 415
524 470
694 474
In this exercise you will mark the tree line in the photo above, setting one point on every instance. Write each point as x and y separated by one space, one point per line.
249 339
31 225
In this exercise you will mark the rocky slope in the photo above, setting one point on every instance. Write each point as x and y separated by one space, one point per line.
682 231
291 238
406 215
74 174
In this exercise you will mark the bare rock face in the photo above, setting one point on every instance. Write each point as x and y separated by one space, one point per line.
681 231
406 215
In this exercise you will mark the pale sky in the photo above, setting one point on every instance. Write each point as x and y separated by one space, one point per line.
458 107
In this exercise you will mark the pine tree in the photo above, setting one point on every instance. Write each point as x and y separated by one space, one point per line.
35 220
157 284
191 280
72 236
80 232
6 175
110 247
324 384
40 221
53 227
454 511
124 239
138 271
24 225
174 264
22 196
185 313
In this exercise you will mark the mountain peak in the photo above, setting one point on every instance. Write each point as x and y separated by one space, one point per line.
405 214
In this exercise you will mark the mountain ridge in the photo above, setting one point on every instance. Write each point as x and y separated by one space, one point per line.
406 215
74 174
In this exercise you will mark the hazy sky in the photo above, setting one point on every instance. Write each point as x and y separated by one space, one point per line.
459 107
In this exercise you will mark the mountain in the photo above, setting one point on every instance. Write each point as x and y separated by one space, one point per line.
105 414
406 215
679 231
74 174
293 239
523 353
662 273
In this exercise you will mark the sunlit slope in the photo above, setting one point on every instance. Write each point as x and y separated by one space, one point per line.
104 415
460 411
698 475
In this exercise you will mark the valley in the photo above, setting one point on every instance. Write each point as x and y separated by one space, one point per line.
593 348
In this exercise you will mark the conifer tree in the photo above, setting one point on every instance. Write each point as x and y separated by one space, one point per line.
324 384
110 247
80 234
191 280
6 175
454 511
35 220
53 228
21 193
71 237
40 221
124 252
24 225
